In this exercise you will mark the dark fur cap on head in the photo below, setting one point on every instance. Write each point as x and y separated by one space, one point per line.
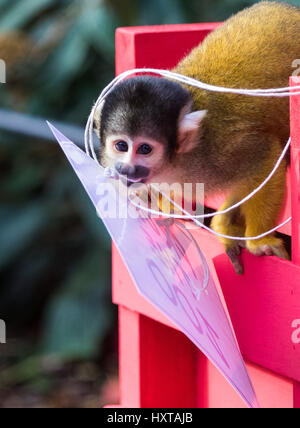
145 105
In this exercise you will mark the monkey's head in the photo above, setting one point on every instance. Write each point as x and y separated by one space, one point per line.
144 124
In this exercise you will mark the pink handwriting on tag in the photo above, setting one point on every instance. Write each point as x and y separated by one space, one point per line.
170 270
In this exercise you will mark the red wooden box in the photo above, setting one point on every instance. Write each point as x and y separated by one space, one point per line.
159 366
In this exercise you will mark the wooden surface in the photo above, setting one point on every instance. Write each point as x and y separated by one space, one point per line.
157 46
295 195
146 344
262 304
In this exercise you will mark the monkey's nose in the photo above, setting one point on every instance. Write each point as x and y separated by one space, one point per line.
124 169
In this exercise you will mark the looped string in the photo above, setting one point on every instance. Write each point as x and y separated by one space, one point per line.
276 92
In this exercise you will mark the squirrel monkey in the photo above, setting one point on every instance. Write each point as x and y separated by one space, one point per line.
154 130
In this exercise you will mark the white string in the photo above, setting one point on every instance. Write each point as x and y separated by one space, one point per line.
233 207
234 238
276 92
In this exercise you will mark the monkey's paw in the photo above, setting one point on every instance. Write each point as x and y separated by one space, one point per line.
233 251
269 246
167 207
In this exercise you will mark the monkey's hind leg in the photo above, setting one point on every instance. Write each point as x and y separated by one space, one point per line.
231 224
263 210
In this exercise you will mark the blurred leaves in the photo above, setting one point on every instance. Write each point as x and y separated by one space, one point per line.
22 12
18 228
78 317
161 12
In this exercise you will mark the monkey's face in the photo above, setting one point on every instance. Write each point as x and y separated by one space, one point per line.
136 160
144 124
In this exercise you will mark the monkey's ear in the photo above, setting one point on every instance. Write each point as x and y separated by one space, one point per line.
188 131
97 118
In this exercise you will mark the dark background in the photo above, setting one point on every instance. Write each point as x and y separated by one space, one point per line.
54 252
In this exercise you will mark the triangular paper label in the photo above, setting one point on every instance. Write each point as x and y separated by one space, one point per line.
169 269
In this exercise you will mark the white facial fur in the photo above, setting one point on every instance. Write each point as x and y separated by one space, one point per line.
160 169
153 160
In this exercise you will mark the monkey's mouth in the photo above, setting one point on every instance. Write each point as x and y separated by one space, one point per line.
130 181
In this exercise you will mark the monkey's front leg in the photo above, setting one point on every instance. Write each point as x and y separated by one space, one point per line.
262 213
258 215
231 224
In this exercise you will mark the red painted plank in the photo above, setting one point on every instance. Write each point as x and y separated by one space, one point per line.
296 395
129 358
263 304
157 46
295 192
272 390
295 172
158 365
168 367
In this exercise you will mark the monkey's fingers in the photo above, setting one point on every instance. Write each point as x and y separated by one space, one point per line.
269 246
234 255
167 207
281 253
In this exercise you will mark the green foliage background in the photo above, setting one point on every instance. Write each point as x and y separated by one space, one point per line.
54 252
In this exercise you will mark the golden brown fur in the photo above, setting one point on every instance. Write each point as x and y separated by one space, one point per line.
242 136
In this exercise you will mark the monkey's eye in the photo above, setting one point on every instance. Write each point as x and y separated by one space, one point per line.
144 149
122 146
